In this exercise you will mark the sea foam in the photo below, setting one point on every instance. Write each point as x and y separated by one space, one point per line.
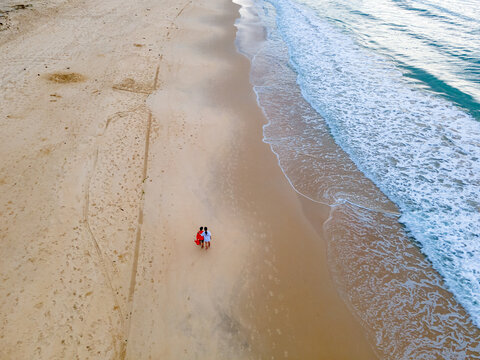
418 148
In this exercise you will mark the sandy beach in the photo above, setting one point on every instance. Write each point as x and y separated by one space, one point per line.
124 127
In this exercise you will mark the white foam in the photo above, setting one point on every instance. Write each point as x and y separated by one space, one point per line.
399 305
418 148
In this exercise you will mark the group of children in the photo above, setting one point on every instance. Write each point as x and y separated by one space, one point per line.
203 237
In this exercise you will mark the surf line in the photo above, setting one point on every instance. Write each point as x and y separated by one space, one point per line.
338 201
247 5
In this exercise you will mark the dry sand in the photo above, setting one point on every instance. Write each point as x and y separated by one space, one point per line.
124 127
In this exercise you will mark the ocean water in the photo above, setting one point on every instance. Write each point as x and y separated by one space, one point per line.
373 108
434 42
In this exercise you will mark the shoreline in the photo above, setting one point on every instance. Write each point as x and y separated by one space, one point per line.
98 240
380 274
268 321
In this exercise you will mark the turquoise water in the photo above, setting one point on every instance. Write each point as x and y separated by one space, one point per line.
374 102
436 43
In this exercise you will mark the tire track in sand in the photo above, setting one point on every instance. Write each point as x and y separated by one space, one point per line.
86 220
131 292
133 277
93 239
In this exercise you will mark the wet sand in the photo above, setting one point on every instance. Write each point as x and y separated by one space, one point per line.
124 128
